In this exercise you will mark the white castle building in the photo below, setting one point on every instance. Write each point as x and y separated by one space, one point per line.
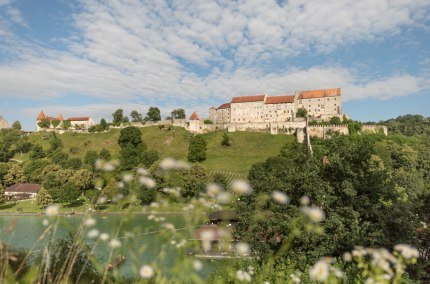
3 123
319 104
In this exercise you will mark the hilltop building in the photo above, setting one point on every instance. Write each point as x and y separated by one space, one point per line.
319 104
3 123
76 123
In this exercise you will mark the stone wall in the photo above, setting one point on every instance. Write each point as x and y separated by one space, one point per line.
322 131
375 129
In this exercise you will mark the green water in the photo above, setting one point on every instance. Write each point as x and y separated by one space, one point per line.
141 240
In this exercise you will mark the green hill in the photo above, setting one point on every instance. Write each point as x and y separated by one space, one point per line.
247 147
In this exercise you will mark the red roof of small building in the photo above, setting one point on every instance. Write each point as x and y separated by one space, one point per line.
82 118
248 99
194 116
41 116
313 94
24 187
280 100
224 106
60 117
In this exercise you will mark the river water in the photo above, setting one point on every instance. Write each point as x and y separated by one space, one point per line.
141 239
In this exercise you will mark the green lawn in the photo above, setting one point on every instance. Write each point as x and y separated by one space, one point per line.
247 147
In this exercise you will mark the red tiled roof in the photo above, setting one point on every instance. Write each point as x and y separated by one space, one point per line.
82 118
224 106
60 117
50 118
248 99
280 100
313 94
41 116
24 187
194 116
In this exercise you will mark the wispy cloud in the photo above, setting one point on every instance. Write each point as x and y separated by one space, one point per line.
154 49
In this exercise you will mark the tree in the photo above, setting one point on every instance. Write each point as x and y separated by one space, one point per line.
37 152
149 157
194 181
33 170
220 179
226 140
73 163
105 155
59 157
66 124
197 149
5 153
111 189
43 198
125 119
14 175
2 196
16 125
335 120
44 123
103 124
132 147
178 113
118 116
82 179
55 143
301 112
136 116
23 146
153 114
69 193
90 158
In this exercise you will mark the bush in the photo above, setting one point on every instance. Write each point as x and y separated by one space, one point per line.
335 120
208 121
301 112
149 157
226 140
197 149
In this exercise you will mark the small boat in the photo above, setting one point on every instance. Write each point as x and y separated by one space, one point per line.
116 262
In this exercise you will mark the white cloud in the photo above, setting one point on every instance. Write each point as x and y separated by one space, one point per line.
144 48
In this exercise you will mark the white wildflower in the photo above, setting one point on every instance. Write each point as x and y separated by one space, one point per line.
45 222
127 178
280 197
94 233
181 244
315 214
146 272
121 184
90 222
168 164
51 210
114 243
108 167
104 236
101 200
142 171
304 200
154 204
173 242
242 249
241 187
223 197
213 189
151 217
336 272
147 182
99 164
169 226
319 271
243 276
407 251
207 236
295 278
197 265
347 257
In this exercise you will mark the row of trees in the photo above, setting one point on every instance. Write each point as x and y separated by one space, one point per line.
153 114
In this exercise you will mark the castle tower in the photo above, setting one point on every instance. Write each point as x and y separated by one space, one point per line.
195 123
40 116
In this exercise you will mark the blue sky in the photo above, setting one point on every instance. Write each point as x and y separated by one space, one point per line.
92 57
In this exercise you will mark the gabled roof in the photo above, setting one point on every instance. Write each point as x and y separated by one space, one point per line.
60 117
313 94
24 187
248 99
279 100
82 118
41 116
194 116
224 106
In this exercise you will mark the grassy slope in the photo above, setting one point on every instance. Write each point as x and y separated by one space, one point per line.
247 147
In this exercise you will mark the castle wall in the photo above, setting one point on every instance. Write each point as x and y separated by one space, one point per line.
375 129
3 123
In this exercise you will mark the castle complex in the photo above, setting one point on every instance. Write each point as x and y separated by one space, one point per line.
278 114
54 123
319 104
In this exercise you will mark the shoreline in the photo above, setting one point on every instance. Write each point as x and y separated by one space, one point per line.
86 213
